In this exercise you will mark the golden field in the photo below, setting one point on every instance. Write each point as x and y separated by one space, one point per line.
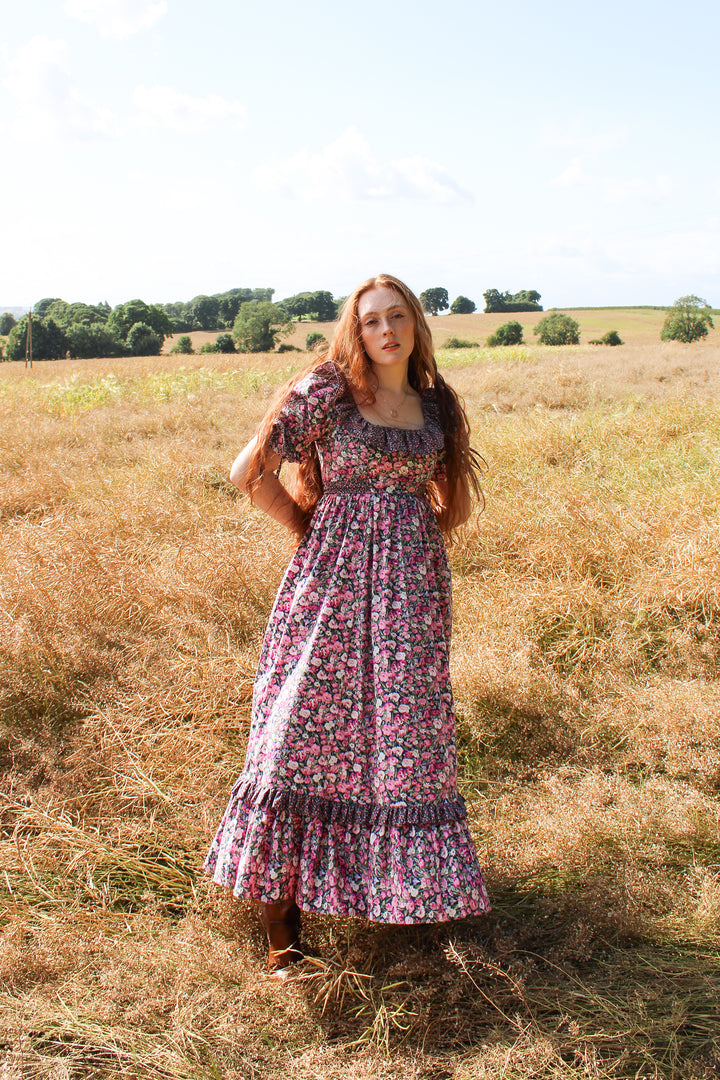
134 587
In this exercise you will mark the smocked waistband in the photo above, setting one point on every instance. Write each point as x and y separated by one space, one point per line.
360 486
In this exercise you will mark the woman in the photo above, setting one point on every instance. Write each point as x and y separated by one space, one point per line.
348 801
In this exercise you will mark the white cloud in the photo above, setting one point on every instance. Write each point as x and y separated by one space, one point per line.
347 170
46 97
615 189
576 136
573 175
426 179
165 107
117 18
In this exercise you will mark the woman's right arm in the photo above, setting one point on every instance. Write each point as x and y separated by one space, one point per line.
269 494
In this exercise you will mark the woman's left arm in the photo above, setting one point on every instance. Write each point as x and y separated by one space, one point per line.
269 494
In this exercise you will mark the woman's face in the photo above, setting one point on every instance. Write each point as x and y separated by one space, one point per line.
387 326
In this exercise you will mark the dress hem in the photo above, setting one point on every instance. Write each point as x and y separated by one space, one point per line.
345 911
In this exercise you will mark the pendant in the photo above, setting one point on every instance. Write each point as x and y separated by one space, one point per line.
393 413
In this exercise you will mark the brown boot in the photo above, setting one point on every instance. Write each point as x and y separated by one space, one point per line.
282 926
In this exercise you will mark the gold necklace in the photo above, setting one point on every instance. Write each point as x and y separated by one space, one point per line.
393 412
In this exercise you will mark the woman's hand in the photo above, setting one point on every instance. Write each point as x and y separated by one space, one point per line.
269 494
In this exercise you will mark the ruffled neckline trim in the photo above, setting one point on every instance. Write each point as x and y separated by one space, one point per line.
424 440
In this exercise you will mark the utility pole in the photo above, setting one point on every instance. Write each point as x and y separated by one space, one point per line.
28 341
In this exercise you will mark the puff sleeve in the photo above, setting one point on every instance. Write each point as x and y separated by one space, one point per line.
307 414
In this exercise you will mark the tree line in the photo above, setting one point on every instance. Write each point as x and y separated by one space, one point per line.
88 331
436 300
688 320
135 328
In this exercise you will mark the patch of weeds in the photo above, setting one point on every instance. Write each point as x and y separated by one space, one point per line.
571 639
214 480
93 869
465 357
459 343
671 634
45 709
78 1048
77 396
126 877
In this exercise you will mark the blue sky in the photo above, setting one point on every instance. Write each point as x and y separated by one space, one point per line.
165 148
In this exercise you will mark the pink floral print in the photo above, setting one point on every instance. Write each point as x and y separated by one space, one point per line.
348 799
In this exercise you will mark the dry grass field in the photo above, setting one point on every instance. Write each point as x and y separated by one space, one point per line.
134 586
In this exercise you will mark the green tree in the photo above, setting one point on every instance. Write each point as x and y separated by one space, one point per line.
143 340
524 300
224 343
510 333
203 312
229 303
296 306
212 312
49 341
318 306
688 321
324 305
434 300
93 342
125 316
313 339
462 306
7 321
493 301
610 337
41 308
527 296
67 315
258 325
183 345
558 329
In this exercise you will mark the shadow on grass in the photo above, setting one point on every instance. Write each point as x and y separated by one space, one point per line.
536 972
499 735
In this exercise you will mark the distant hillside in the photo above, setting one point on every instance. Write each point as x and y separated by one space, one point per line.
636 326
18 312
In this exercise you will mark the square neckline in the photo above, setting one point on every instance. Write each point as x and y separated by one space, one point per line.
391 427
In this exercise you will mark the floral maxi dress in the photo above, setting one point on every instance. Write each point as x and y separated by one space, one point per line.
348 799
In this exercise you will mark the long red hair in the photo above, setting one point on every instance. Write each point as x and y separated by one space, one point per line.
463 465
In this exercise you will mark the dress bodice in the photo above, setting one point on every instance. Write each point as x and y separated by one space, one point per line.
354 453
